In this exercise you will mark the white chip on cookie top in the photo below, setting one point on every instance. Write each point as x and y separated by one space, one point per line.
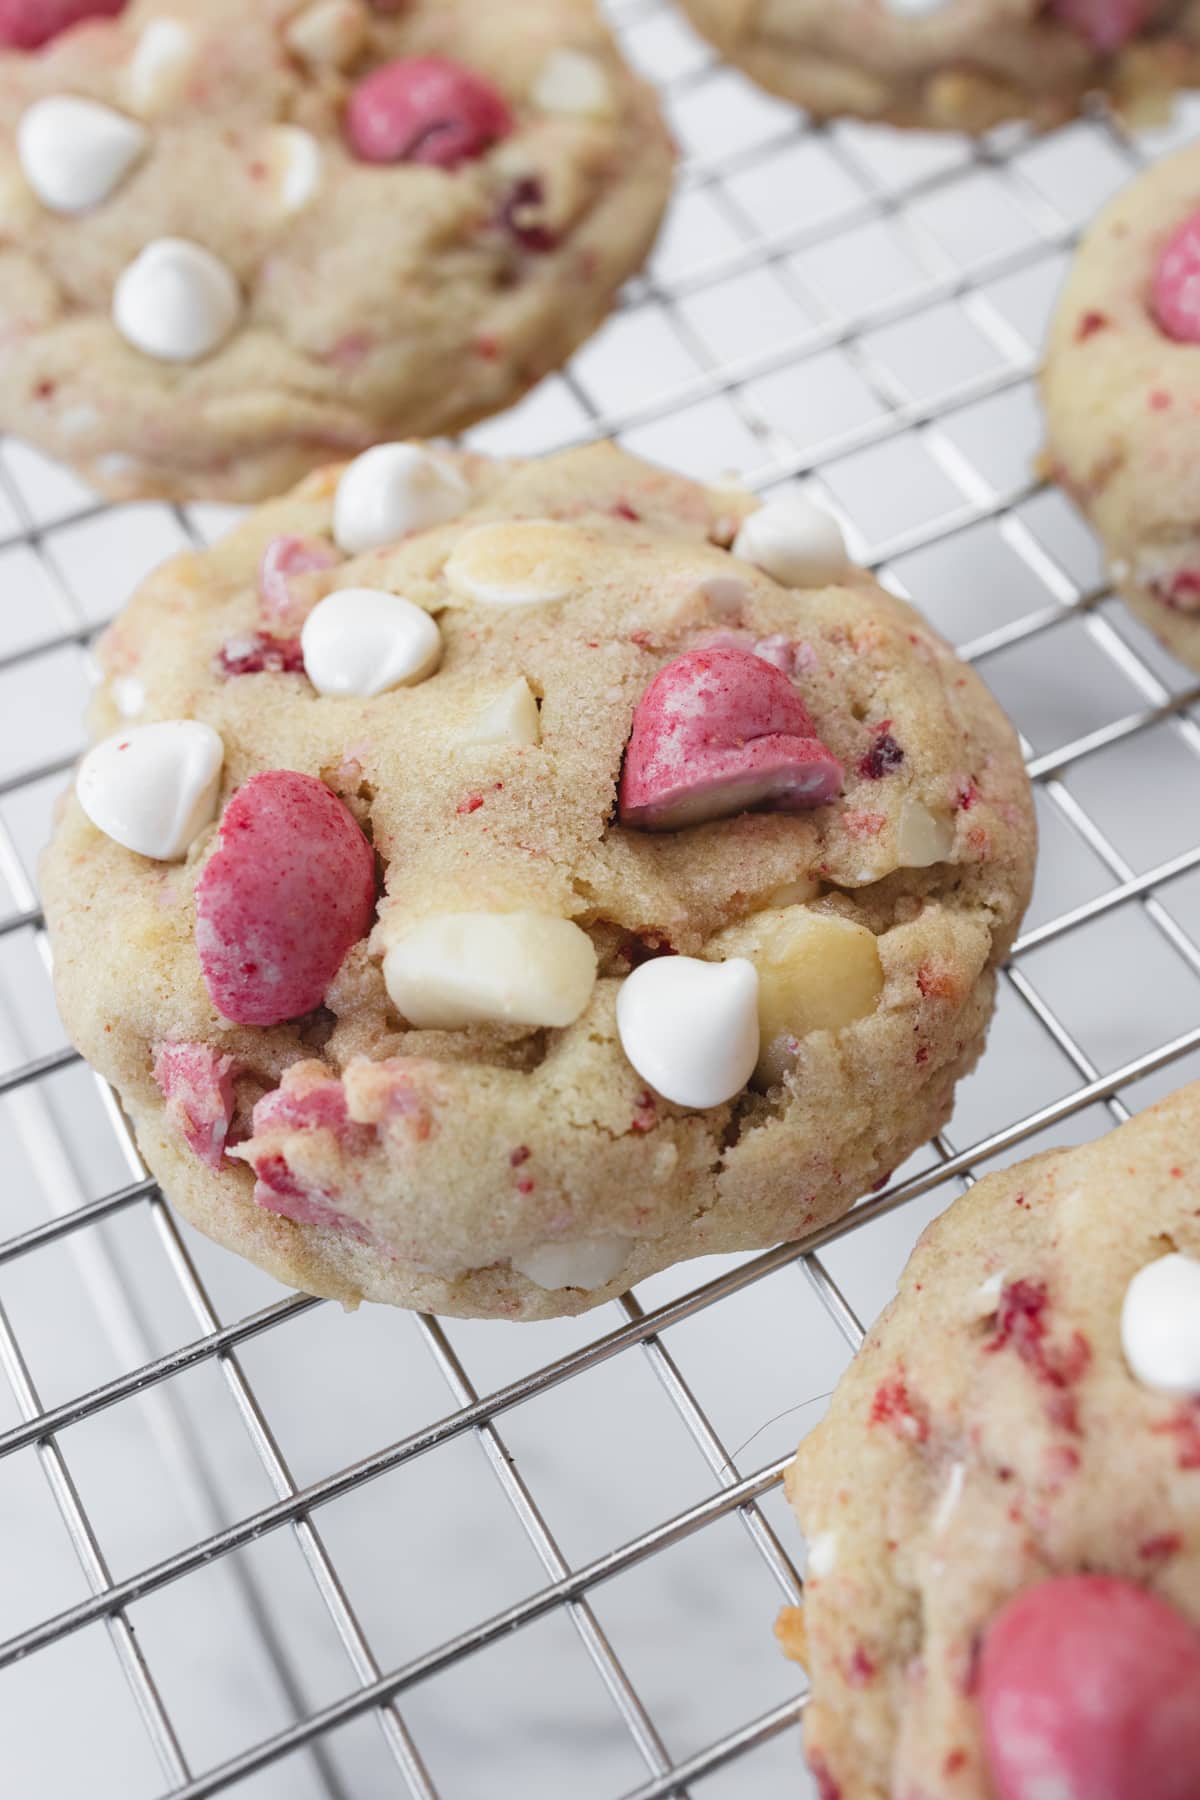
690 1028
796 543
75 153
391 490
570 81
153 788
329 34
914 9
363 641
295 163
468 968
159 67
822 1554
511 718
591 1263
176 301
522 562
1160 1324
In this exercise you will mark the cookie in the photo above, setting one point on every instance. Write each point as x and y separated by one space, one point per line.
1121 387
498 881
238 241
1002 1504
962 65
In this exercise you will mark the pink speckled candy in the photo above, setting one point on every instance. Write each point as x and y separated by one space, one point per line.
1176 291
283 559
197 1086
1106 24
425 109
28 24
1090 1689
720 731
289 889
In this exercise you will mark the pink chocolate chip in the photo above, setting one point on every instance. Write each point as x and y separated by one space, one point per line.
283 559
1176 291
1090 1689
28 24
1106 24
197 1086
289 889
717 732
425 109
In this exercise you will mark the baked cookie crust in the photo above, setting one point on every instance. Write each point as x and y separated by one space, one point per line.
444 1156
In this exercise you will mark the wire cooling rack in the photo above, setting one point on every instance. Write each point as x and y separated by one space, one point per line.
250 1543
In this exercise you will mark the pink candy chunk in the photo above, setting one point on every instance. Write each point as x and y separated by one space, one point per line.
425 109
289 889
1090 1689
1175 295
259 653
283 560
1106 24
717 732
197 1086
28 24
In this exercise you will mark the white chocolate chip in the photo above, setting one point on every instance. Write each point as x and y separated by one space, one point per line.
530 562
727 595
949 1498
914 9
816 972
363 641
75 153
160 67
391 490
983 1300
571 82
329 34
922 838
1160 1325
822 1554
523 968
590 1263
512 718
294 161
177 301
129 695
153 788
690 1028
796 543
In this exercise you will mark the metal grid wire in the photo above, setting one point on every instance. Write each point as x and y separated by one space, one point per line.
283 1542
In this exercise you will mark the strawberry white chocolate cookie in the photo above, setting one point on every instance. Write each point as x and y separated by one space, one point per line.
237 241
1002 1505
498 881
963 65
1121 387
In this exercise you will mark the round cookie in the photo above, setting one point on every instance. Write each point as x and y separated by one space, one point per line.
1002 1504
1121 387
962 65
496 889
238 241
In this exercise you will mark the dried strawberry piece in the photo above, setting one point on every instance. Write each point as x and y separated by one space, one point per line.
197 1085
258 653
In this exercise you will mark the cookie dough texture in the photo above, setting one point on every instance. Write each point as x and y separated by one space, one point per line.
490 1142
1121 400
964 65
394 300
989 1436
